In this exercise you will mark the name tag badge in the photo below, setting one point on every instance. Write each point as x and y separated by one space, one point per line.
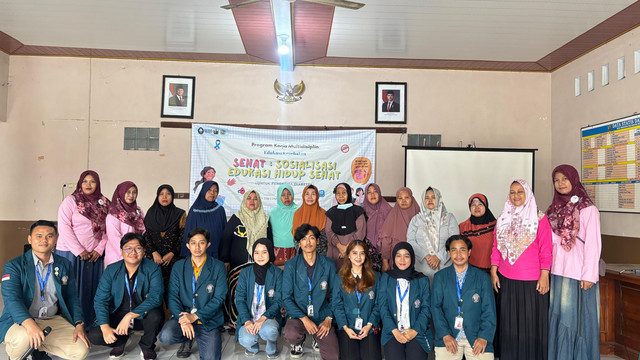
131 324
43 312
310 310
358 323
193 310
458 323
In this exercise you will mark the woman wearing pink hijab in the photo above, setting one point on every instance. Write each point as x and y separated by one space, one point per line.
574 327
125 216
394 229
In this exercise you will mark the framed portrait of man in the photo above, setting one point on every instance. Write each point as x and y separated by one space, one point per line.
178 96
391 103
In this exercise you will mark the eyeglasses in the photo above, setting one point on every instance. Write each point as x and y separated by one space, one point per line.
137 249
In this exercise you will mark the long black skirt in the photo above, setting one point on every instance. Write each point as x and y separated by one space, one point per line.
523 320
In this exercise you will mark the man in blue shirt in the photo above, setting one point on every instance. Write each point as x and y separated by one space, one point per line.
463 307
39 290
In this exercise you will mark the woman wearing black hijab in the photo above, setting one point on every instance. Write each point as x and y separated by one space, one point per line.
164 222
345 222
258 301
404 297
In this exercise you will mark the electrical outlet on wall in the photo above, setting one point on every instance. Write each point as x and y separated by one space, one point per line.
69 186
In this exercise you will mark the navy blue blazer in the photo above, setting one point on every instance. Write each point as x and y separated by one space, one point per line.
110 291
211 291
345 306
18 285
478 305
295 288
272 295
419 315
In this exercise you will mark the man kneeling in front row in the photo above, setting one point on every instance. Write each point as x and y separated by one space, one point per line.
39 291
128 298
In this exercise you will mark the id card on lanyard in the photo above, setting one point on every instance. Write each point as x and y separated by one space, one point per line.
260 289
42 313
458 320
402 297
310 312
193 295
131 293
358 325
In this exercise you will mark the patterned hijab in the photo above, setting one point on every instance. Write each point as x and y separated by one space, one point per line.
564 211
517 226
310 214
281 218
255 221
376 214
432 220
94 207
129 214
397 222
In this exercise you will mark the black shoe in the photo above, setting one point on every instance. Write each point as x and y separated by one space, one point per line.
39 355
185 349
117 352
148 354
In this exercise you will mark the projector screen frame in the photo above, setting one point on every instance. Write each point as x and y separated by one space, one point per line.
502 150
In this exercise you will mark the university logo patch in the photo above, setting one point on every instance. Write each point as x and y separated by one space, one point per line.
323 285
271 293
417 303
475 297
372 295
64 280
210 288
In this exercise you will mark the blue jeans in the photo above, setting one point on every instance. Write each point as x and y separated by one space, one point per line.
209 342
268 331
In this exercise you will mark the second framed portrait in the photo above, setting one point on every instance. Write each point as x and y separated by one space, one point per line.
178 96
391 103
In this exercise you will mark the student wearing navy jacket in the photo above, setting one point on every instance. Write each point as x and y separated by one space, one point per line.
258 300
31 303
463 307
354 305
197 289
307 282
404 306
129 296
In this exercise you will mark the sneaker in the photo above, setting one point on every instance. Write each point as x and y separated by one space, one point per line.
148 354
249 353
296 351
315 346
185 349
39 355
275 355
117 352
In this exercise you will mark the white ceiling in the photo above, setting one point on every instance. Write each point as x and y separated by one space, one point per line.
501 30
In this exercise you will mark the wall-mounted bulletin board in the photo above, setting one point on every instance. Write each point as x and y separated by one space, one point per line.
611 164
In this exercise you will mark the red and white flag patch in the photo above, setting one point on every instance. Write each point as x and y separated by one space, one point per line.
6 277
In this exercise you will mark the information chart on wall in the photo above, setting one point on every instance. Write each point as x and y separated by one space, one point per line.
611 164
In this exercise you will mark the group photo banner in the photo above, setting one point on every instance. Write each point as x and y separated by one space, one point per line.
244 159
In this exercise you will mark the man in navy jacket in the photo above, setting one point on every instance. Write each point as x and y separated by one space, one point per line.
129 296
463 307
39 290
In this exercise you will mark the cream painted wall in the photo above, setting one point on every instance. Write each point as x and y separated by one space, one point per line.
79 107
4 85
604 103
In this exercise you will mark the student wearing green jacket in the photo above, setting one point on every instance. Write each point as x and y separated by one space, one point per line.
307 282
404 306
258 300
463 307
354 305
129 296
197 289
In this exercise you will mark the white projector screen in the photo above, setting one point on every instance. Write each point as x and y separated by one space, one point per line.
459 173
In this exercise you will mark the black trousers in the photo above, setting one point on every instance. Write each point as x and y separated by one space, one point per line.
409 351
365 349
151 325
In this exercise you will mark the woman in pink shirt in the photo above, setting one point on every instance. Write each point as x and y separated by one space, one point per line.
520 264
125 216
574 326
83 236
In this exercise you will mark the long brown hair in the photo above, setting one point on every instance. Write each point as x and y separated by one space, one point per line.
368 277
